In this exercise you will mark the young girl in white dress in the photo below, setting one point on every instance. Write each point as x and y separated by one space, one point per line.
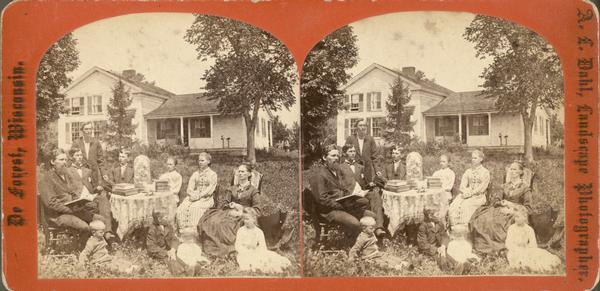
446 176
523 252
252 252
189 251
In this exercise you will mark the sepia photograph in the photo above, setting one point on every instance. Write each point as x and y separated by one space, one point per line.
167 146
432 145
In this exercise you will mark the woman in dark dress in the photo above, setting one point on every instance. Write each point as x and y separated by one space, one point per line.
489 223
218 227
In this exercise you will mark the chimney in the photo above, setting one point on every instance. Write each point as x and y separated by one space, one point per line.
406 70
128 74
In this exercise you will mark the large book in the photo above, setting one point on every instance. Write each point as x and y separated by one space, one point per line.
356 194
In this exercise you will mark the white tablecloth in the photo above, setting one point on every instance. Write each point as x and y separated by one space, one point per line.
408 206
136 210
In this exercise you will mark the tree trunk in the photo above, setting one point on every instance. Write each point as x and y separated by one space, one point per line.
527 142
250 126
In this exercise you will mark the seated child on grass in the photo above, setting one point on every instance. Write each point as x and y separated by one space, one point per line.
459 254
365 247
95 252
189 252
523 252
251 248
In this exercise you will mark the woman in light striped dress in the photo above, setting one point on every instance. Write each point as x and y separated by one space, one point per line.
200 190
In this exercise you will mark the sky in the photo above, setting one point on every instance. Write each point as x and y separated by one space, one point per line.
153 45
430 41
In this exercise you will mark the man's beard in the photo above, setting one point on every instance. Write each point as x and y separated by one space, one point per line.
333 165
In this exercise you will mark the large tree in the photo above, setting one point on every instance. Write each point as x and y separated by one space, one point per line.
398 124
252 69
120 128
58 61
525 71
280 131
325 70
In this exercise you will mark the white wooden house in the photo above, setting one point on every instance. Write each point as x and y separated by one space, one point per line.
160 116
438 112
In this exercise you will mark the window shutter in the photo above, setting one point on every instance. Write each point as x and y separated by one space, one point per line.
369 98
89 105
369 125
360 102
346 128
67 133
347 102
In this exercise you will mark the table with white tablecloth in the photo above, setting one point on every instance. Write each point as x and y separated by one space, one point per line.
405 207
136 210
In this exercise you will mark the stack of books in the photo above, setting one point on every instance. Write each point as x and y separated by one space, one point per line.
434 182
396 186
124 189
162 186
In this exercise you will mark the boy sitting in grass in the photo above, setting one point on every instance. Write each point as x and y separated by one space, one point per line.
161 243
366 247
95 252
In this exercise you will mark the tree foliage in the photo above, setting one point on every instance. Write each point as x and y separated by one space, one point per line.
58 61
120 128
325 70
280 131
398 124
252 69
525 72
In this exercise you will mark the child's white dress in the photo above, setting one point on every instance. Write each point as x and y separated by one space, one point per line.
460 250
190 254
523 251
253 255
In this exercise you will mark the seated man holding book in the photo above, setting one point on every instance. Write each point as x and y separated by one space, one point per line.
59 201
353 180
334 202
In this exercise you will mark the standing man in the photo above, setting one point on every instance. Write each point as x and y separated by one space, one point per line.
93 156
366 149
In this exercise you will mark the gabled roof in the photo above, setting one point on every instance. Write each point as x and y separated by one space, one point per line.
143 87
185 105
422 83
464 103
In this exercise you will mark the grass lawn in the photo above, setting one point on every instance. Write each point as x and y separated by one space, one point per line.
280 184
331 260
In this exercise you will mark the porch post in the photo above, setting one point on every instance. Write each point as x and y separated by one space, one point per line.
181 129
460 128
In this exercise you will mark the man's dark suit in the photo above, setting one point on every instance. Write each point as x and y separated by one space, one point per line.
102 202
349 179
92 159
115 176
327 186
366 154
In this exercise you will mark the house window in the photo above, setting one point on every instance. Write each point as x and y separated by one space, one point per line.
378 124
446 126
73 131
95 104
200 127
355 102
99 128
77 104
167 128
478 124
375 101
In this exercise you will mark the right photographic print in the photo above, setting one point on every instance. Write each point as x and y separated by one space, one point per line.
432 145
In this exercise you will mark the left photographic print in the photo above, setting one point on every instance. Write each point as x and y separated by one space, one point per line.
167 146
